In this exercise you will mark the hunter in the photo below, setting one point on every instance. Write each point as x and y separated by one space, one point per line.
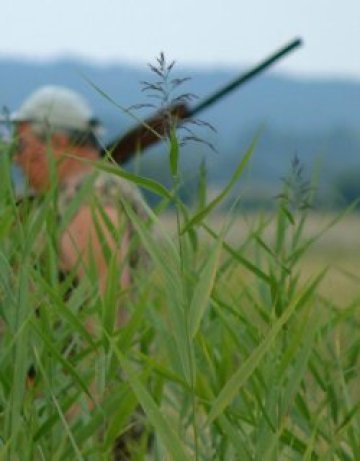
57 121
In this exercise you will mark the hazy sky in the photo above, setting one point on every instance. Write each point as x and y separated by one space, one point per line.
211 32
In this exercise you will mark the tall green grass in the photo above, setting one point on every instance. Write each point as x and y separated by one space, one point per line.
224 367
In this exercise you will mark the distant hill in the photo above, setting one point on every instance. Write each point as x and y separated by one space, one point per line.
315 119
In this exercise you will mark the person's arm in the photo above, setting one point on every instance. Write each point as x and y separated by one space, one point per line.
81 240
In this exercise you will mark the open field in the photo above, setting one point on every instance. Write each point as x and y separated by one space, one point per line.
338 248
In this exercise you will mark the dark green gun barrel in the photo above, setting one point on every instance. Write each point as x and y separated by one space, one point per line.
245 77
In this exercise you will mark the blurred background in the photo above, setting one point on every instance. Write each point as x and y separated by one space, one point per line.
307 106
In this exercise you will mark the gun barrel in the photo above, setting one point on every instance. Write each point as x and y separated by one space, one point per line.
245 77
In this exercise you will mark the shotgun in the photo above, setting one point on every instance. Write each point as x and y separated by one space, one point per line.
155 127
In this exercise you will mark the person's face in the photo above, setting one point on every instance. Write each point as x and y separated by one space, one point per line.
31 156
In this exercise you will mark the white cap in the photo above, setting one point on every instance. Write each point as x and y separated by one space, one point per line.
57 107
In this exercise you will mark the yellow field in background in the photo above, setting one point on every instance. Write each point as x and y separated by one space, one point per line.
338 249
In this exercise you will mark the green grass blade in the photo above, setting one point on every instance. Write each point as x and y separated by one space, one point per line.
48 343
65 423
174 153
22 309
147 183
156 417
199 216
231 388
203 289
239 258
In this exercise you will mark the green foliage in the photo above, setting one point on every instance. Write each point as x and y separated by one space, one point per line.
228 352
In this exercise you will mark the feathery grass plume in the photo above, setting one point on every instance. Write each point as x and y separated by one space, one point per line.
298 190
166 92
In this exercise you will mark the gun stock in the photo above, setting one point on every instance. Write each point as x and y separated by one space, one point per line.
146 134
156 127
